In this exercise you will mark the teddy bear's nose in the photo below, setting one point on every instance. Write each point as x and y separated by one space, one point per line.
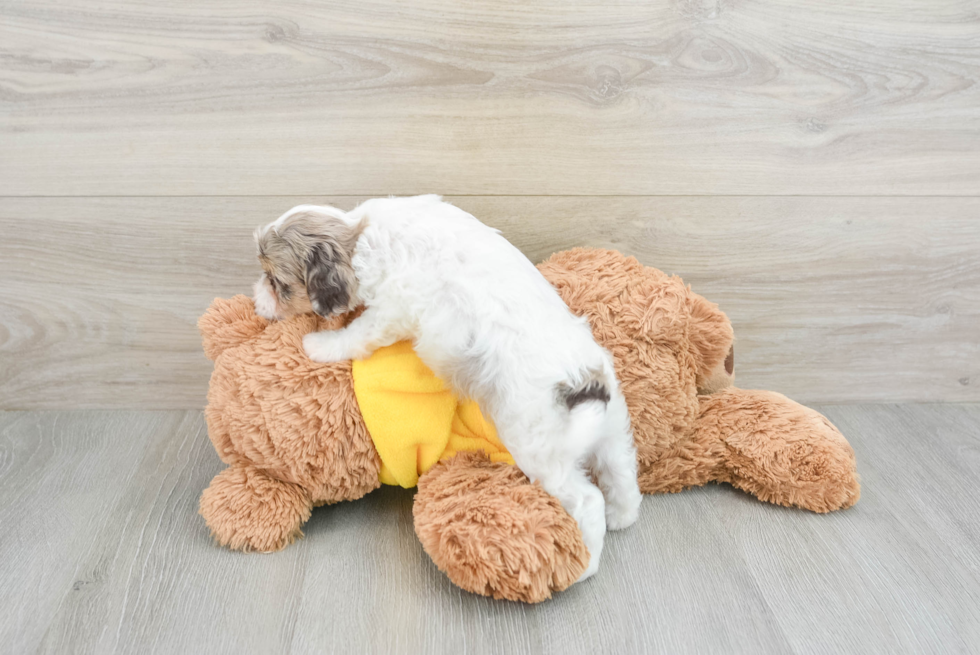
730 361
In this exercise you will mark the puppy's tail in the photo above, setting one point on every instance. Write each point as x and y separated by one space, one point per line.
586 404
590 385
594 390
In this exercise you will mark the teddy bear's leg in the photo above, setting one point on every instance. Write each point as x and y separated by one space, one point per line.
247 509
494 533
690 462
779 450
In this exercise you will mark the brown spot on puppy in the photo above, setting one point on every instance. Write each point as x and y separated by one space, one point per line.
594 390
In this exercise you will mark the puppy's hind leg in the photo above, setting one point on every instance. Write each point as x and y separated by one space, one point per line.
584 502
615 466
559 469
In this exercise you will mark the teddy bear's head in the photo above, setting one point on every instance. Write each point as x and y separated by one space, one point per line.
271 407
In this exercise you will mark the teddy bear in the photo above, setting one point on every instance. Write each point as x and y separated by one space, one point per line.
296 434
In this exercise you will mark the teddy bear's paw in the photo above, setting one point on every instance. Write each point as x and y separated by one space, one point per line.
248 510
325 347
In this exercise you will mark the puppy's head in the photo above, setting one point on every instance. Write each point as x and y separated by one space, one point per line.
306 258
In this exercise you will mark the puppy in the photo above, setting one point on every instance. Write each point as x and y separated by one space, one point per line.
483 319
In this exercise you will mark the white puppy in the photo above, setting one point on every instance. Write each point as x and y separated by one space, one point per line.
482 318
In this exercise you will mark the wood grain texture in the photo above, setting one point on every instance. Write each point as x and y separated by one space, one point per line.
127 97
833 299
103 551
918 506
69 485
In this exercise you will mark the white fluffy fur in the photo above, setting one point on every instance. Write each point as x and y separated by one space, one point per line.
484 319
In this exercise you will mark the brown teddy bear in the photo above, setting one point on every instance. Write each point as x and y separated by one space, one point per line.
294 435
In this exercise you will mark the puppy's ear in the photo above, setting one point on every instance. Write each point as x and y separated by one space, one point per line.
328 280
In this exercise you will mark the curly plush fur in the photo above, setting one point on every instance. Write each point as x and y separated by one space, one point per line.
484 521
293 436
290 429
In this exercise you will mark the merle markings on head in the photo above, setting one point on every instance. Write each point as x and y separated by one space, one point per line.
306 258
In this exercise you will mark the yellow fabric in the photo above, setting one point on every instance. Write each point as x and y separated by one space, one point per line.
414 420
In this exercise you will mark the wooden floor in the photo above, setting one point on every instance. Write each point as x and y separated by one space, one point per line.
102 550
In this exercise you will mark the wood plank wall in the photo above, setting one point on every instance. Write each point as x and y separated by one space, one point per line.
813 166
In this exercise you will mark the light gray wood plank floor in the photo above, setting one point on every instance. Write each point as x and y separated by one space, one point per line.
102 550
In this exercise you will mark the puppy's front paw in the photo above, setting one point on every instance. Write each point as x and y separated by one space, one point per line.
324 347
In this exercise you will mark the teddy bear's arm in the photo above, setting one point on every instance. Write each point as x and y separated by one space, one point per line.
249 510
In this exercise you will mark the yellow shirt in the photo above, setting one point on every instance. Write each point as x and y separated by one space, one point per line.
414 420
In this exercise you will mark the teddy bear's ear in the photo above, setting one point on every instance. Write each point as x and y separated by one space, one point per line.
712 336
228 323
